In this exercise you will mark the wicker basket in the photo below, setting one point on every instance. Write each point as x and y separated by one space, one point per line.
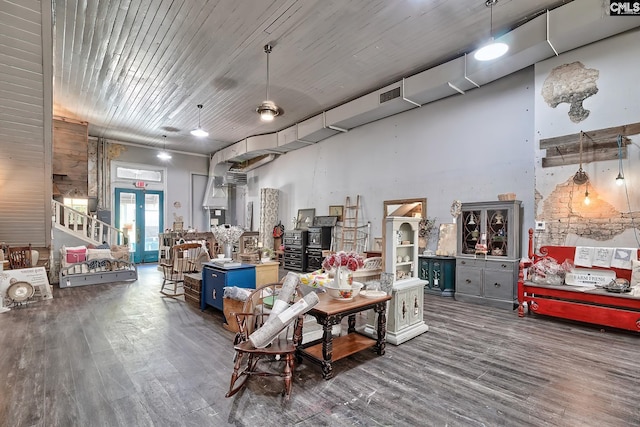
506 196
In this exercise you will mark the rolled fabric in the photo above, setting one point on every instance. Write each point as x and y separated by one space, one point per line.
276 324
286 292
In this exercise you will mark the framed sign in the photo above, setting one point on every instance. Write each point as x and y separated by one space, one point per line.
305 218
337 210
325 221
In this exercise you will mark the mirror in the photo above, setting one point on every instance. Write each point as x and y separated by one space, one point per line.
401 207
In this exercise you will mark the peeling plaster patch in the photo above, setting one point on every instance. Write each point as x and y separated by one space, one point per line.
571 83
114 151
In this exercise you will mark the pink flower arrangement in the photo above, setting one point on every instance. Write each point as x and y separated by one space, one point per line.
350 260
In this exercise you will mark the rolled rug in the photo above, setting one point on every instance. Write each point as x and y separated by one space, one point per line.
286 292
276 324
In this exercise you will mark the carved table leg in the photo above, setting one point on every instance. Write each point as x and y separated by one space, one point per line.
352 324
381 309
327 349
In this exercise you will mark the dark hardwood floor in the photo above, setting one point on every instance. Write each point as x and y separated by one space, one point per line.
122 355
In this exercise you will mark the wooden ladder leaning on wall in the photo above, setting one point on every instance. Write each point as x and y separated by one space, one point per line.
349 233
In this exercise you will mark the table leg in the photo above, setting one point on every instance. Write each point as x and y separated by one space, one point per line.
327 350
352 324
381 309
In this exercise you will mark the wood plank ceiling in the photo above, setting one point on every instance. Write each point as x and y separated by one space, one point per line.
136 69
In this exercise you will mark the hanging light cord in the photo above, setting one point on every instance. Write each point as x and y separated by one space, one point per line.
491 2
267 50
620 169
626 190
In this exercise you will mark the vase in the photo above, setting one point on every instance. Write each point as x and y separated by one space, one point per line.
422 244
343 278
228 249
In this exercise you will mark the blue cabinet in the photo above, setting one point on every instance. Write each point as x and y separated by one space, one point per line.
440 274
215 279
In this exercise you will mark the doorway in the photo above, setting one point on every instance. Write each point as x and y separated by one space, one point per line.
138 213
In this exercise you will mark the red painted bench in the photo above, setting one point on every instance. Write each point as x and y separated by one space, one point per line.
595 306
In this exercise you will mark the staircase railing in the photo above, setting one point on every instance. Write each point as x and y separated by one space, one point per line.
84 226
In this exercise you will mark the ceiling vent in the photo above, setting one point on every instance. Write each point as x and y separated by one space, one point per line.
389 95
234 177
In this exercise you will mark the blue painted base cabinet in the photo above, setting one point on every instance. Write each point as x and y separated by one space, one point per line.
440 274
215 279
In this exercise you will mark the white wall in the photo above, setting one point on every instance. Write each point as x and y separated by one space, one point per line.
179 169
616 103
468 147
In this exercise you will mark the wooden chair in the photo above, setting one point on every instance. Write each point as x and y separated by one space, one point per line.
282 350
19 257
185 258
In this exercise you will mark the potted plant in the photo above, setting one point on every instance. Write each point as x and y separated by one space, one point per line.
266 254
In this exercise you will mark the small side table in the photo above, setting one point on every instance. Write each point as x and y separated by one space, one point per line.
440 274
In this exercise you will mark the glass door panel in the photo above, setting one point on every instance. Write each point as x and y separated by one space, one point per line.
138 214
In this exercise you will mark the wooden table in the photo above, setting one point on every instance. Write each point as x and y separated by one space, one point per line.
329 312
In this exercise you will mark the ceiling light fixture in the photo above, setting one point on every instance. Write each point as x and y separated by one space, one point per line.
493 49
199 132
580 176
267 110
164 155
620 177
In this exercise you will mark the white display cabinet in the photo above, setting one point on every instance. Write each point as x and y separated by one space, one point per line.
406 308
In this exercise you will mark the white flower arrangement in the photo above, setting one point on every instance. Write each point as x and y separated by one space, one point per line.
227 233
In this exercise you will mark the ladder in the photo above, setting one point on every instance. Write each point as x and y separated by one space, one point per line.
349 233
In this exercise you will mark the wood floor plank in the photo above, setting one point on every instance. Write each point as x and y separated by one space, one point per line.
120 354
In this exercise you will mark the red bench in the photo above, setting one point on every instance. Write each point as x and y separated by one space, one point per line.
595 306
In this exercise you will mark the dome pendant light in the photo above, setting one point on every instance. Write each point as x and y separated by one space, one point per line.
199 132
493 49
267 110
164 155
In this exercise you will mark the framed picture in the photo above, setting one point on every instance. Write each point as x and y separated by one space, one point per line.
178 226
377 244
305 218
337 210
325 221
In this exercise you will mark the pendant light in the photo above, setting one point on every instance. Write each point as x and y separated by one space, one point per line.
620 177
580 176
164 155
199 132
493 49
587 200
267 110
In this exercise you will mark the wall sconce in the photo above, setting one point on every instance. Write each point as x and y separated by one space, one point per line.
620 177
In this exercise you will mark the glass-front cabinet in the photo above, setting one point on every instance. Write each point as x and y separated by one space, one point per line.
491 228
488 252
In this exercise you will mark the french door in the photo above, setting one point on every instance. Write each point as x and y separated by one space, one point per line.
139 215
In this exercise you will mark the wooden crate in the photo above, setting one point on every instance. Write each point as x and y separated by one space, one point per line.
193 288
229 306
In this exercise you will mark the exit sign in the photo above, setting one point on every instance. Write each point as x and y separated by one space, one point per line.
140 184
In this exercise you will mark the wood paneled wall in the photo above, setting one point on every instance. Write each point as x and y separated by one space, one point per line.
25 122
70 170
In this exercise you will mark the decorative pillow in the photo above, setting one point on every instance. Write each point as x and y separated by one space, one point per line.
635 272
103 246
98 253
76 254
